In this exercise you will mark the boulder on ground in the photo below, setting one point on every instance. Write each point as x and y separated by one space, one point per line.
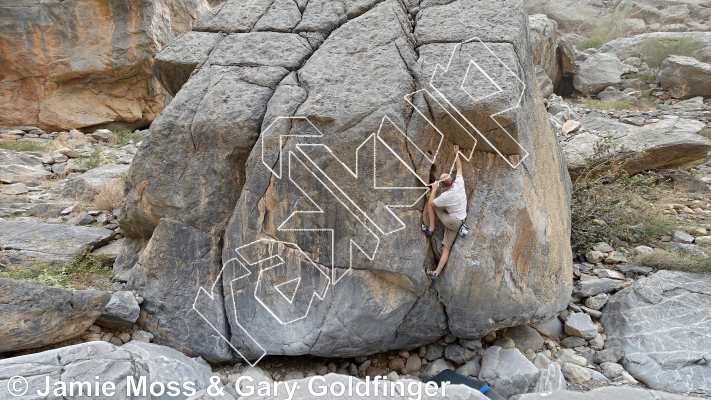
625 48
34 315
507 371
685 77
605 393
662 324
88 184
212 177
597 72
544 41
666 144
121 311
550 376
525 338
580 325
158 365
16 166
24 241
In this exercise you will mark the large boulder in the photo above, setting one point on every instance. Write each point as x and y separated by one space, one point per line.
24 241
685 77
88 184
96 65
662 323
218 193
671 143
544 41
135 363
604 393
597 72
560 11
34 315
16 166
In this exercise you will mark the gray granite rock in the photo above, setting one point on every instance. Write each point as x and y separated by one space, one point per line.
507 371
158 364
34 315
580 324
176 61
525 338
550 376
596 286
663 325
15 165
54 243
357 62
597 72
605 393
121 311
685 77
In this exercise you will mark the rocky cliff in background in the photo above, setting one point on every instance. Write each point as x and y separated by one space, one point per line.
214 184
80 63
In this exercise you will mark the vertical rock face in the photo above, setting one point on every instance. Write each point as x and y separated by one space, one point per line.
302 144
78 63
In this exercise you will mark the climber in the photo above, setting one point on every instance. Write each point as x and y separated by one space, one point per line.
451 209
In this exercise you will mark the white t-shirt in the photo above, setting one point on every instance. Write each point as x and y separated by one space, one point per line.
454 200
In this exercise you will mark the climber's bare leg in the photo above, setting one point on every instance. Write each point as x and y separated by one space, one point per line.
442 260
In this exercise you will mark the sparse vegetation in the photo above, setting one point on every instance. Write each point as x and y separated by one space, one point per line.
589 102
607 29
84 271
92 160
110 195
644 76
125 137
22 146
68 140
655 51
607 202
706 132
679 260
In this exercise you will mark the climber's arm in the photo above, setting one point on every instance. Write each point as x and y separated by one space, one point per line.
433 194
459 160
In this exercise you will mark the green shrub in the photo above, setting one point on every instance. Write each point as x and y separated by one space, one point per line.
84 271
92 160
655 51
607 202
593 42
22 146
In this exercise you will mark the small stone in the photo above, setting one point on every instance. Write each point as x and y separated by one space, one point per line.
101 134
597 343
393 376
608 273
505 343
682 237
570 126
93 337
570 356
396 364
116 341
352 369
332 368
474 344
525 337
575 373
573 341
471 368
603 247
293 375
597 302
142 336
458 354
413 363
703 240
489 338
580 324
107 336
643 250
84 219
434 351
594 256
125 337
615 257
591 312
610 355
629 378
698 231
611 370
404 354
94 329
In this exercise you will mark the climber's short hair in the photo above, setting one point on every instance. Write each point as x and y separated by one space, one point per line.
448 181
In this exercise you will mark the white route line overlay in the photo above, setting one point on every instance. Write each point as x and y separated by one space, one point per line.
298 146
